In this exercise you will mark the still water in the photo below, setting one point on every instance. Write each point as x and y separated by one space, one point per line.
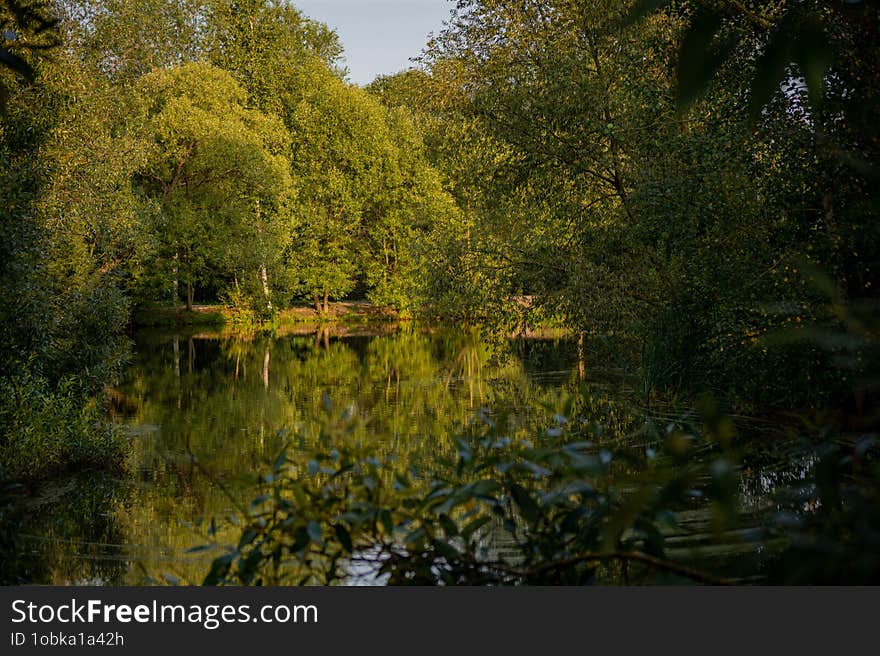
205 411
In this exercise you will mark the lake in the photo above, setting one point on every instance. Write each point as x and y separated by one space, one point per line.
205 411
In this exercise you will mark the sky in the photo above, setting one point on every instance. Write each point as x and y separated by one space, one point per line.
379 36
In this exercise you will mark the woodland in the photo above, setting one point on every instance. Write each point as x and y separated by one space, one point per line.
685 188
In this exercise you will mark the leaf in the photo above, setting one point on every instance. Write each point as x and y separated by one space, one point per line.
199 548
352 517
259 500
641 9
699 57
814 56
219 569
300 540
314 531
445 549
770 71
415 537
385 519
526 503
485 488
563 492
474 526
246 538
577 446
449 527
344 537
527 466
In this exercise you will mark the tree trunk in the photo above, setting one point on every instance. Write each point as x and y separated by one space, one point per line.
326 301
317 303
264 278
190 296
176 290
582 367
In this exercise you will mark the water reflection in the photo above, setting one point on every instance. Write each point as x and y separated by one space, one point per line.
205 411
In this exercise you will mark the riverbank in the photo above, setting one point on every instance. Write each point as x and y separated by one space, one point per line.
346 312
343 318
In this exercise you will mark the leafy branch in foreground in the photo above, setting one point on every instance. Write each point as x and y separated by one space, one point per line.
503 512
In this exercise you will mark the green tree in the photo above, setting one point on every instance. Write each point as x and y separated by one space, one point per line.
268 46
63 226
124 40
218 177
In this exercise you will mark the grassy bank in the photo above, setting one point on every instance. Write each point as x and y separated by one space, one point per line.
342 312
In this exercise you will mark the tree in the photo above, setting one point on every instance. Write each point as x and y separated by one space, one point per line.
589 183
267 46
368 196
218 176
123 40
340 152
61 307
548 107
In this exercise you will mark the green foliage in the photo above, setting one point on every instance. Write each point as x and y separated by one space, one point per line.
47 430
836 543
218 173
604 179
503 511
269 47
123 40
27 27
787 33
695 177
60 306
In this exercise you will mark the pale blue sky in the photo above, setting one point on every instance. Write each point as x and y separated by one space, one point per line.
379 36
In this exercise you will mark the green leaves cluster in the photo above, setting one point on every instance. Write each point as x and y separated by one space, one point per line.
789 34
27 27
218 174
656 171
503 511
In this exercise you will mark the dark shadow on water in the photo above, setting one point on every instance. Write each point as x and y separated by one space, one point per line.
66 532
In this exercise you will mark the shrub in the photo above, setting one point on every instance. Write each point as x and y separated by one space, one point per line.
46 430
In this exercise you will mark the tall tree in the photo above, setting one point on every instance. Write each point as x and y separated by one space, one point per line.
218 176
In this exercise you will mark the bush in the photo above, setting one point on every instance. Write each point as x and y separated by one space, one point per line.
46 431
504 511
569 508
